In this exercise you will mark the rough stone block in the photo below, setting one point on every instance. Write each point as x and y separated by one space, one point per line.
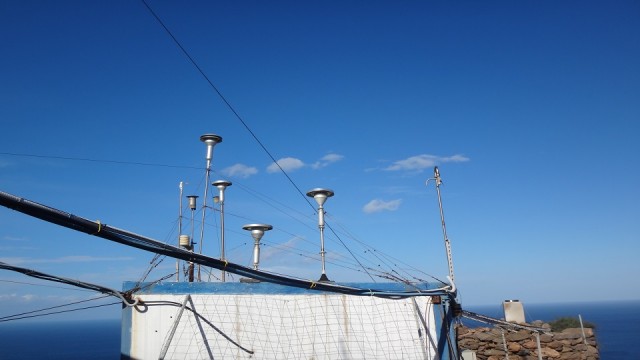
524 352
486 337
550 353
575 342
571 356
592 350
514 347
470 344
545 338
568 335
519 336
556 345
494 352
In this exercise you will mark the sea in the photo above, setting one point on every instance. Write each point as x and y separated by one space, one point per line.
617 331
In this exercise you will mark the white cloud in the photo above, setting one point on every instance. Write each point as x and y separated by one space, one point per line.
287 164
42 299
13 238
424 161
378 205
17 248
7 297
62 260
16 297
240 170
280 250
455 158
327 160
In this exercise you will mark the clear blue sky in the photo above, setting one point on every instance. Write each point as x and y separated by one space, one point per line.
530 109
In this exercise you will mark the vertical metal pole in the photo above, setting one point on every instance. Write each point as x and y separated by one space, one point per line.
223 273
256 253
321 227
204 209
191 262
584 337
210 140
179 231
320 196
506 349
447 243
539 347
222 185
192 206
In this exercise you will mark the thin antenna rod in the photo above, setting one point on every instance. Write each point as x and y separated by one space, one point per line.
320 196
447 243
179 230
221 185
192 206
210 140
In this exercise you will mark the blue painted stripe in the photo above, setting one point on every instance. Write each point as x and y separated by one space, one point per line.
249 288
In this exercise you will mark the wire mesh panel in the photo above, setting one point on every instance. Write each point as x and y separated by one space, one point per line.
263 326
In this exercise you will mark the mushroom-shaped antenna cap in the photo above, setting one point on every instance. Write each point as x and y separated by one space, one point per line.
320 195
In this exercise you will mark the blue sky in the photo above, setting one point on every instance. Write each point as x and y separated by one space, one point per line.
529 109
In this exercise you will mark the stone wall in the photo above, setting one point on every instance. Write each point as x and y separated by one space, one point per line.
522 345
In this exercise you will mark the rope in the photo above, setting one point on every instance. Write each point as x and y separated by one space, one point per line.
124 237
59 312
72 282
50 308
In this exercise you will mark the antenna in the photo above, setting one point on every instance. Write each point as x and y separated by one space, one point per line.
189 242
210 140
257 230
320 196
447 243
180 186
221 185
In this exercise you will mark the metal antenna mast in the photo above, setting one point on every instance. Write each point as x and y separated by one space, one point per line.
210 140
186 241
179 230
320 196
221 185
447 243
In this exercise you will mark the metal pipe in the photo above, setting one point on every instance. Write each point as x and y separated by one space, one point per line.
447 243
320 196
192 206
584 337
504 344
179 230
538 345
222 185
210 140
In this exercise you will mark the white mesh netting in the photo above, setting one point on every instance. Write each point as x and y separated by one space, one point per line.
321 326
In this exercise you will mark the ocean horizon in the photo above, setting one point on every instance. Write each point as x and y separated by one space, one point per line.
617 325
